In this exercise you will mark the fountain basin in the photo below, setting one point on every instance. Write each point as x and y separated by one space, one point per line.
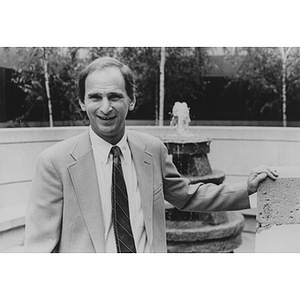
198 237
189 154
194 231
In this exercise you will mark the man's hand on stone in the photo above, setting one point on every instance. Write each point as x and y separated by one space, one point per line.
259 174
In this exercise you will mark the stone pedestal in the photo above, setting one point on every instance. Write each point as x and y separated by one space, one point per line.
212 232
193 231
278 217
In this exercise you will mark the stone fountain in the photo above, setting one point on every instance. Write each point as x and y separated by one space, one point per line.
193 231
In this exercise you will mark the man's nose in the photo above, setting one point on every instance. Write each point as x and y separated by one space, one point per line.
105 106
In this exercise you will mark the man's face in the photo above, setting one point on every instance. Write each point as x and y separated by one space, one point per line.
106 103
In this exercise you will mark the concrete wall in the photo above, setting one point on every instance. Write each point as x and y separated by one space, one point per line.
19 149
234 150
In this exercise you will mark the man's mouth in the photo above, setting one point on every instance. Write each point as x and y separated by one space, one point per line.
106 118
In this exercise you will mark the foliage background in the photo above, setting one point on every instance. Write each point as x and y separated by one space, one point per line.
252 92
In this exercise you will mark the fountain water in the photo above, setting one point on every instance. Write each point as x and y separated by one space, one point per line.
190 151
191 231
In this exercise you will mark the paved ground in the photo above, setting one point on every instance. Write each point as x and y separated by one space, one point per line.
248 245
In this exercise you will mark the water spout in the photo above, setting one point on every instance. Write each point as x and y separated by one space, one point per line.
181 119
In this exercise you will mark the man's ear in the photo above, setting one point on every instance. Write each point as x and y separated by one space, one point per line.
82 105
132 104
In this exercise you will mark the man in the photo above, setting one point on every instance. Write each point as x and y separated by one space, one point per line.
88 196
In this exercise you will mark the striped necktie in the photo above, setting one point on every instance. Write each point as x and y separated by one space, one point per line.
120 208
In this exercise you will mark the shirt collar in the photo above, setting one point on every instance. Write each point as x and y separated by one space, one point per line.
104 147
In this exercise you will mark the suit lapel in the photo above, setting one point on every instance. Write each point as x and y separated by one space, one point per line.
143 162
84 177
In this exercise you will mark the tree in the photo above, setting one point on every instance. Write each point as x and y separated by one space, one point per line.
284 55
162 85
258 71
183 78
144 62
46 74
270 81
41 72
184 70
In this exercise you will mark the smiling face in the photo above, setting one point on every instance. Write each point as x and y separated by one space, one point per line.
106 103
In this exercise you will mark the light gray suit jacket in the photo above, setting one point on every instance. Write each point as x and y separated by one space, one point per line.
64 212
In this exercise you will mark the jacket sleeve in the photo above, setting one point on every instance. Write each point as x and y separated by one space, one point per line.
200 197
44 212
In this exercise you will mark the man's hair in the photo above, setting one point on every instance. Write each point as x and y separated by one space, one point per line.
102 63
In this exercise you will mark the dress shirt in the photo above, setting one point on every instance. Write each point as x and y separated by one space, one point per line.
104 162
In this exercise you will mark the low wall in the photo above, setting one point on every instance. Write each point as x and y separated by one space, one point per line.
234 150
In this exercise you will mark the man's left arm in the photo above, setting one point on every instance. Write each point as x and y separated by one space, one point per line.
209 197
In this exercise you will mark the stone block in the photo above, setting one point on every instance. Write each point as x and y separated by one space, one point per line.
278 213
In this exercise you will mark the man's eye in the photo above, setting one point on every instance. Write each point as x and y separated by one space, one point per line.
95 98
115 98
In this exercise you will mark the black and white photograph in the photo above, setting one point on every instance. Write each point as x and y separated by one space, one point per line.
213 113
182 148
